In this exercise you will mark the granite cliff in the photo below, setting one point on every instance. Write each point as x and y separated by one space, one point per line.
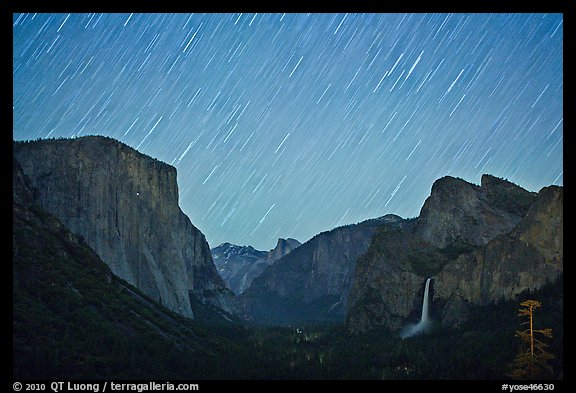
459 211
388 279
480 243
124 204
283 247
72 318
527 257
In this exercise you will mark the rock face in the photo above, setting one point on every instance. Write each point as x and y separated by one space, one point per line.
389 278
480 243
525 258
458 211
311 283
283 247
239 265
72 318
125 205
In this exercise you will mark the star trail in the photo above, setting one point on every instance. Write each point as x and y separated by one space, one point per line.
287 125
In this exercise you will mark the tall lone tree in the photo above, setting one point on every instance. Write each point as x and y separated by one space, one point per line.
532 360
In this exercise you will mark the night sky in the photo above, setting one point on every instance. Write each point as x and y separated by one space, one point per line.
287 125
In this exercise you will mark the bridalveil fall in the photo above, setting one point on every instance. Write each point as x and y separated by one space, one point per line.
411 329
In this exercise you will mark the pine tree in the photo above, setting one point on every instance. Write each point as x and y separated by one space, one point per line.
531 362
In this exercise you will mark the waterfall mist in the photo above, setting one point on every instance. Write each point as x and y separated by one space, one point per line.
425 322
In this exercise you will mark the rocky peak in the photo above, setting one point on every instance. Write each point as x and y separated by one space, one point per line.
461 212
228 251
238 265
283 247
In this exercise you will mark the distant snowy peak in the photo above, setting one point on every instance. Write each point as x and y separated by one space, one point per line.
239 265
232 251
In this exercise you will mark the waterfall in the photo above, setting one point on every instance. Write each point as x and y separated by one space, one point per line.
424 324
424 317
